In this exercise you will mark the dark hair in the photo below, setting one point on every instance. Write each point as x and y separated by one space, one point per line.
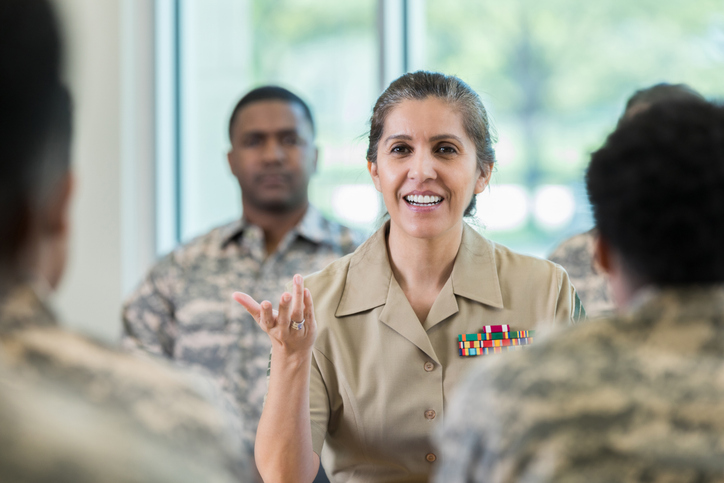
35 125
657 192
419 86
659 93
269 93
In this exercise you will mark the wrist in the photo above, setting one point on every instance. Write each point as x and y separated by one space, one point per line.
285 355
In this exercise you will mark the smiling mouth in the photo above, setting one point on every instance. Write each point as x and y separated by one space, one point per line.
419 200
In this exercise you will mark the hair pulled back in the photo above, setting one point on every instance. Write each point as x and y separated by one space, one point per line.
421 85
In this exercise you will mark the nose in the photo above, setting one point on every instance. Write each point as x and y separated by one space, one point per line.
273 151
422 167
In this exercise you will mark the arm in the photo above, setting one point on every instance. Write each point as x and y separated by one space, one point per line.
283 448
148 314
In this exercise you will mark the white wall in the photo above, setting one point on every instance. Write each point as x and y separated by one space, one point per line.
109 60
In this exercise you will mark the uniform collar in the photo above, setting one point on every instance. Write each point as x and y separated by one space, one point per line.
22 307
313 226
474 275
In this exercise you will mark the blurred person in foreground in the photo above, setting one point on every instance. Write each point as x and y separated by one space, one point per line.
576 253
183 310
72 409
638 396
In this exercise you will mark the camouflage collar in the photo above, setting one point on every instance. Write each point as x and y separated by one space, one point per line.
706 300
474 275
313 227
21 307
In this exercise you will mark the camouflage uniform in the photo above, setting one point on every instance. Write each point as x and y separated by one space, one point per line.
634 398
184 310
50 432
576 256
175 413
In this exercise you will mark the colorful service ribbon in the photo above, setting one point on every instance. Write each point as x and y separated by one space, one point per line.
494 339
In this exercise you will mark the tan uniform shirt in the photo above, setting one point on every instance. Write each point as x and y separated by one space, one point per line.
381 380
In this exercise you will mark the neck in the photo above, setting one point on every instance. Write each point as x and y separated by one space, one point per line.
422 266
274 224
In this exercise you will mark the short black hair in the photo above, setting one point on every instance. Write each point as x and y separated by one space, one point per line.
657 192
35 124
269 93
663 92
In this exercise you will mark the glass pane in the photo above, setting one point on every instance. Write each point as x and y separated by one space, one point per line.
554 75
323 50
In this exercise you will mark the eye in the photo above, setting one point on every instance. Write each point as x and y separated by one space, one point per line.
251 141
291 140
400 149
447 149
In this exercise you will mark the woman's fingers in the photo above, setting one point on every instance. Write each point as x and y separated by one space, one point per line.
297 312
268 317
249 304
285 308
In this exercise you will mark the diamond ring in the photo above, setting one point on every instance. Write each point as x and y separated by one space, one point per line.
297 325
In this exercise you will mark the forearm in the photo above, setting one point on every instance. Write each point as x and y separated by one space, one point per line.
283 448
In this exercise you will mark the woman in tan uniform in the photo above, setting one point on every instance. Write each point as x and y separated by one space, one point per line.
363 378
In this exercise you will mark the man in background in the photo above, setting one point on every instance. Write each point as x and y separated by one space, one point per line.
72 409
183 310
637 397
576 253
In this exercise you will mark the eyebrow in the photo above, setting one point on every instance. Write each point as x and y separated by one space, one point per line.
439 137
282 132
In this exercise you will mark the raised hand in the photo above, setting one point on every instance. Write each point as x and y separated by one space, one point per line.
293 326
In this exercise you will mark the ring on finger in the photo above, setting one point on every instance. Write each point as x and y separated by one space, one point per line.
297 325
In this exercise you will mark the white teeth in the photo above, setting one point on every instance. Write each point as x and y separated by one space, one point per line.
423 200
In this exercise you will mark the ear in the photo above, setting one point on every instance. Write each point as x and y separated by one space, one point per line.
314 160
230 160
483 179
602 255
58 214
372 168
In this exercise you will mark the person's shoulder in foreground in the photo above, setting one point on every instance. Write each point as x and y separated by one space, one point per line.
50 432
630 398
187 412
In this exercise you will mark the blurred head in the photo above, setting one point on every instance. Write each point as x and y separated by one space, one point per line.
273 154
645 98
429 152
452 91
35 131
657 192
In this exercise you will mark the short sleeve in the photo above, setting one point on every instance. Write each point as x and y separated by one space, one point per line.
569 310
318 405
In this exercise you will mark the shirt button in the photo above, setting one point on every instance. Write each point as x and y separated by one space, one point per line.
430 414
429 366
430 457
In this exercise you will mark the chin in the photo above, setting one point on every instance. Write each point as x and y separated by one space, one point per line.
425 230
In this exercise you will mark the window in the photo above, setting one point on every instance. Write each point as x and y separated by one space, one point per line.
554 76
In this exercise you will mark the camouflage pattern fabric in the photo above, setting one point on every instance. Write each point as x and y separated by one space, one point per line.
628 399
576 256
50 432
176 412
183 310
